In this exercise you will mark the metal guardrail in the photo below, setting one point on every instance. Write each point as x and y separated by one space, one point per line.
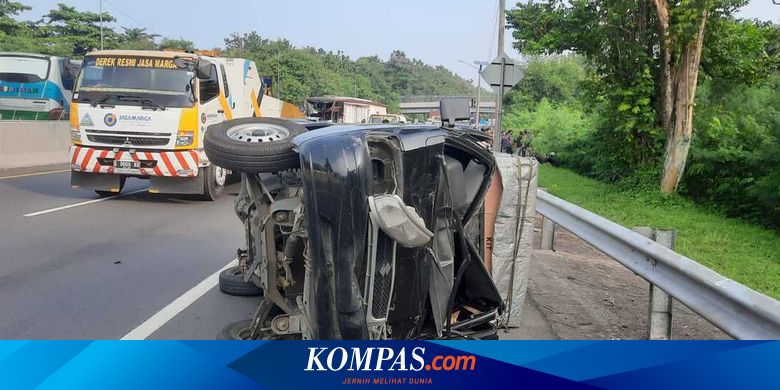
734 308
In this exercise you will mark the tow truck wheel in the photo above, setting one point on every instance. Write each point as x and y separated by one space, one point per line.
103 194
253 145
214 179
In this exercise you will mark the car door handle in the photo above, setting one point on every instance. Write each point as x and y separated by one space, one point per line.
221 111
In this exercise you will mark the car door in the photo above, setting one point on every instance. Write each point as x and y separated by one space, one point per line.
211 111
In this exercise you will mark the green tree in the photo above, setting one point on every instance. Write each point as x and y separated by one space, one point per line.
181 43
138 38
16 35
647 54
555 78
79 31
8 10
308 71
617 38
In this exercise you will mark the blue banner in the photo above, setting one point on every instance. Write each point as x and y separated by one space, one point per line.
632 365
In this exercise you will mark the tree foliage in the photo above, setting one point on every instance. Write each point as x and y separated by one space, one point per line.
641 59
567 102
181 43
298 72
307 71
79 30
138 39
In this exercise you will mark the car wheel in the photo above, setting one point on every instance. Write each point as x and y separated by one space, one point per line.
104 194
214 179
231 282
253 145
238 330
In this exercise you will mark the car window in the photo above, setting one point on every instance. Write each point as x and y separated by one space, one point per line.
209 88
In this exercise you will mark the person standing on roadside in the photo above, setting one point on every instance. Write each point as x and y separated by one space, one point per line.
506 143
525 142
489 133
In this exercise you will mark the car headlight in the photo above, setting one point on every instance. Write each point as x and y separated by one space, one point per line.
185 138
75 134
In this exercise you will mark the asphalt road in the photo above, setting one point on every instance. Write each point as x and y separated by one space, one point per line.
98 270
136 266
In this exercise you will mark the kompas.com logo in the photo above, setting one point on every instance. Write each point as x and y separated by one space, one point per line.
384 359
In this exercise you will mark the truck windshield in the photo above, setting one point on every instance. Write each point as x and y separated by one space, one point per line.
23 69
149 78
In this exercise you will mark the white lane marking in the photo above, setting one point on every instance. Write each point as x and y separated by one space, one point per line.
178 305
34 174
70 206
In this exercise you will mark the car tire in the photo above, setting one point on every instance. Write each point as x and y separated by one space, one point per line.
235 330
231 282
105 194
253 145
214 179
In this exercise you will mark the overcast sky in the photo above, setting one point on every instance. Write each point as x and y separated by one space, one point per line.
439 32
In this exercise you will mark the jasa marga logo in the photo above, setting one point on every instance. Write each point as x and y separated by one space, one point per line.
384 359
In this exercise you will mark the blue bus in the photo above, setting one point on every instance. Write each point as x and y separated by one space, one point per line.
35 86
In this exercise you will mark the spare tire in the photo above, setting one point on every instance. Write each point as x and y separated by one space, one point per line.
231 282
253 145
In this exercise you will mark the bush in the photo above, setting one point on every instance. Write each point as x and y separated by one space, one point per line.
734 161
554 129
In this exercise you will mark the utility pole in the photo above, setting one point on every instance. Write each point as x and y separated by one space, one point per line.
500 94
479 91
101 23
501 25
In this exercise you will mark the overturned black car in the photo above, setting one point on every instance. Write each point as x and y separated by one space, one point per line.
359 232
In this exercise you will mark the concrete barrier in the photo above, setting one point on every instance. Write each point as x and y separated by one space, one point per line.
33 143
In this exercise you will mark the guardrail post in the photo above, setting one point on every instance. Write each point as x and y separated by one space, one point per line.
548 234
659 318
548 230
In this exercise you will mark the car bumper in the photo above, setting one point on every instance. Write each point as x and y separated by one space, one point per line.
184 163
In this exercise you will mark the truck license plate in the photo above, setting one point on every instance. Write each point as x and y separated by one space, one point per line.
127 165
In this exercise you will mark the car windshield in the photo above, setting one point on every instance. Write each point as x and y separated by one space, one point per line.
154 79
23 69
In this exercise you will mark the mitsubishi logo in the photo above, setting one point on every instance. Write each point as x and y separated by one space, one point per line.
127 142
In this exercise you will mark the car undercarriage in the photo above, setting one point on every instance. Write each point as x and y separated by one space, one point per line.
371 235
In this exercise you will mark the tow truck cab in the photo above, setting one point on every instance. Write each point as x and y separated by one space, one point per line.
144 113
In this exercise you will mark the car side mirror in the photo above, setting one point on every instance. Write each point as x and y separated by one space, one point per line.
400 222
454 109
184 63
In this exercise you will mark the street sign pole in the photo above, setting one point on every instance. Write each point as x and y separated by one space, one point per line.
479 92
101 24
501 73
500 94
499 104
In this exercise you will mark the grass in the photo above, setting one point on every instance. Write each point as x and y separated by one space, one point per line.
747 253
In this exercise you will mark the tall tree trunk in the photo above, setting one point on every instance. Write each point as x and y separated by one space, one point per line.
684 76
667 90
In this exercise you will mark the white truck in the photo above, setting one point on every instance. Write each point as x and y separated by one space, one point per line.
339 109
144 113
